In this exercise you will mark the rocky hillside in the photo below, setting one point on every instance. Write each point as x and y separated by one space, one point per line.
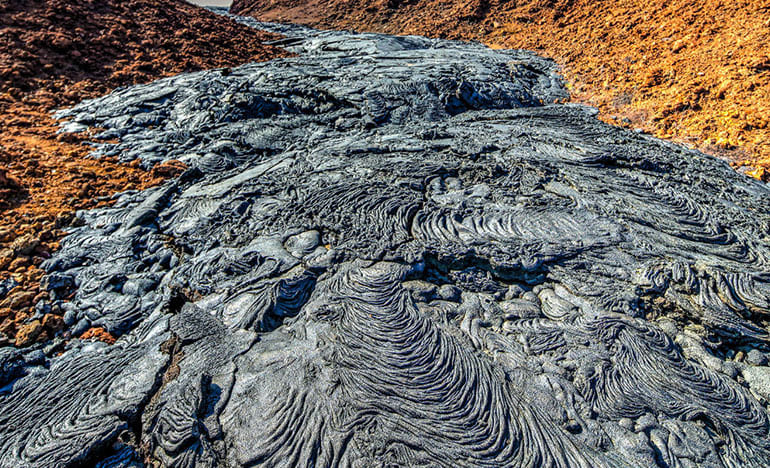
697 72
55 53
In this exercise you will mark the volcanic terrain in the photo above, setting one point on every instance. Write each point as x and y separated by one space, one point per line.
371 250
55 53
696 72
398 251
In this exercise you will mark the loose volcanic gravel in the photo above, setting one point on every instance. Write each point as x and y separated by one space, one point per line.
399 251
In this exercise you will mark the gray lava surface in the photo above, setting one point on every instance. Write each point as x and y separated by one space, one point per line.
396 251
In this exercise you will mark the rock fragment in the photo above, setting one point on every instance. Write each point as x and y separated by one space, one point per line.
28 333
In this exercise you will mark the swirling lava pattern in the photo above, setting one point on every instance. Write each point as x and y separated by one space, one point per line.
403 392
397 251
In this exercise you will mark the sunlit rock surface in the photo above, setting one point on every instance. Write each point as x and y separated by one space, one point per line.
395 251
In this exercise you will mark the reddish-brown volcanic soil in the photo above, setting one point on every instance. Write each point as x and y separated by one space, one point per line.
695 71
54 53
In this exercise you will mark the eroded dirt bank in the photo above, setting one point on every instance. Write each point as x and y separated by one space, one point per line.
55 53
697 72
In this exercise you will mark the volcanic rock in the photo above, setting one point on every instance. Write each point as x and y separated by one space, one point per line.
18 299
98 333
6 257
168 169
400 251
756 357
28 333
10 189
7 182
24 245
693 71
52 323
61 50
57 52
758 379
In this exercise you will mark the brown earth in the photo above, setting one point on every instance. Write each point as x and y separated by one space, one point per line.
694 71
54 53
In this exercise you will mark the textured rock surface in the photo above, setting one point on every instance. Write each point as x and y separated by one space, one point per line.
55 53
399 251
693 71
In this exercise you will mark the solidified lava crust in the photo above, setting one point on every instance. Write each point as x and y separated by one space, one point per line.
400 251
692 71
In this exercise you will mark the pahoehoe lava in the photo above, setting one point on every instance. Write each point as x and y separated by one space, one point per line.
397 251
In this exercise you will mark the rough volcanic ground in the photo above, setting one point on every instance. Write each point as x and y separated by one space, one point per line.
55 53
397 251
696 72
